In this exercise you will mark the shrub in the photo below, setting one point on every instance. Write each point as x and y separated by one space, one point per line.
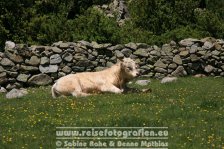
3 36
209 22
182 33
95 26
47 29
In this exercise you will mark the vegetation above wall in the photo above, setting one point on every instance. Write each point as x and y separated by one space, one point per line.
151 21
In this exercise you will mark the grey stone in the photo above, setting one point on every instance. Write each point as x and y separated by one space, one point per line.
100 56
117 47
12 73
56 44
160 64
38 49
218 46
85 43
99 68
220 41
127 52
142 46
175 51
172 65
222 67
147 67
184 53
70 50
142 82
22 77
187 42
64 45
155 47
155 53
56 50
173 43
194 57
9 46
18 84
94 63
209 39
131 45
159 75
215 57
142 52
78 69
91 57
46 53
216 53
29 68
55 59
180 71
16 93
83 63
167 59
10 86
2 69
80 57
44 61
67 57
95 45
207 55
34 61
40 79
3 80
66 69
222 74
13 68
119 54
61 74
208 45
109 64
3 74
203 52
167 48
160 70
132 56
170 71
6 62
209 68
102 61
152 60
14 57
2 54
168 80
193 49
3 90
48 69
177 60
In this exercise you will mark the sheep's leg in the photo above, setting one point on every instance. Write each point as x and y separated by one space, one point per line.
112 89
79 94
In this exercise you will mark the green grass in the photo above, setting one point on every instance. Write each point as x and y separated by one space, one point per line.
191 108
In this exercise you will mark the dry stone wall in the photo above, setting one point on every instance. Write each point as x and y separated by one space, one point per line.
22 66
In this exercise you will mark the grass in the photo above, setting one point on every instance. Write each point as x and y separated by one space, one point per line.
191 108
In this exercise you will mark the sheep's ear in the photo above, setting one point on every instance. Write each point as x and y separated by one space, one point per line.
120 59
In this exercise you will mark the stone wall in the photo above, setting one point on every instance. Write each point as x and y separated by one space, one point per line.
22 66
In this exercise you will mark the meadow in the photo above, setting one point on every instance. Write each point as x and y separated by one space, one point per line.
191 108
